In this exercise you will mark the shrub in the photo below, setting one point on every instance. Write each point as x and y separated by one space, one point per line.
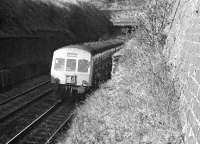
81 21
124 110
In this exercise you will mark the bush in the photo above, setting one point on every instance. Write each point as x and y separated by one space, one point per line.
81 21
126 109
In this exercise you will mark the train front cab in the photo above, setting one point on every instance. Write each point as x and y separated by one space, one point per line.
71 69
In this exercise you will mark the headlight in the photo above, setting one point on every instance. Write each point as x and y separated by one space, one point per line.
85 83
55 80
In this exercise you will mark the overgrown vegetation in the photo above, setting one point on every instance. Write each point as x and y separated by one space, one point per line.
80 21
140 105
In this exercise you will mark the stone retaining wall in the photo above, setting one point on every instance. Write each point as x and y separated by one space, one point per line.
184 38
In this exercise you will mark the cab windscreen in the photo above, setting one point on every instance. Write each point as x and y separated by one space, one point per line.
59 64
71 65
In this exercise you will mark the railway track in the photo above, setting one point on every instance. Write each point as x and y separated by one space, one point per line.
33 115
23 93
14 106
23 89
45 127
17 121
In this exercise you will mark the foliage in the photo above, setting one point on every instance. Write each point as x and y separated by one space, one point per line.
152 24
152 38
33 17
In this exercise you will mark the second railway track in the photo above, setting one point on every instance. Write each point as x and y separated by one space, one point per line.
20 91
19 120
9 99
19 104
43 129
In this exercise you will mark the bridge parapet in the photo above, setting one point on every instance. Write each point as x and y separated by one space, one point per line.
123 17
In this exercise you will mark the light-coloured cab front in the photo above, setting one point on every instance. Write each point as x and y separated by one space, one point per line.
71 65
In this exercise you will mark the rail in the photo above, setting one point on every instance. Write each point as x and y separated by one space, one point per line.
31 124
5 116
55 117
24 92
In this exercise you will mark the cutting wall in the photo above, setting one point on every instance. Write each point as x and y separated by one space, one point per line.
184 39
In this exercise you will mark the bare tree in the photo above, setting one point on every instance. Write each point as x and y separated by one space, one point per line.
153 22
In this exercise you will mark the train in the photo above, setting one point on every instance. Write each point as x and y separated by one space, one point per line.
78 68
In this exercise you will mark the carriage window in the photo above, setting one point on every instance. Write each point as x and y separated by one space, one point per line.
83 65
59 64
71 65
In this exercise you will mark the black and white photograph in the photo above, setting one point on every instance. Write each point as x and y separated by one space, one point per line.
99 71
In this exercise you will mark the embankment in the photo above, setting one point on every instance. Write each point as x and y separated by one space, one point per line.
140 104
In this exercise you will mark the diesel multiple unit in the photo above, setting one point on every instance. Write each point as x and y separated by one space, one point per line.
76 68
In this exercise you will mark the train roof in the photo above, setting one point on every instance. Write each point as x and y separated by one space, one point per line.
96 47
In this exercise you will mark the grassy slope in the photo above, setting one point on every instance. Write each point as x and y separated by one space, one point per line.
124 110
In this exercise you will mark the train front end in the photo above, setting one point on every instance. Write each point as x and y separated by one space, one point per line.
71 69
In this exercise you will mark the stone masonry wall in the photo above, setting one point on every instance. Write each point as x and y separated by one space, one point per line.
184 39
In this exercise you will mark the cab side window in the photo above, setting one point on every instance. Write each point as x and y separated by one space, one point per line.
83 65
59 64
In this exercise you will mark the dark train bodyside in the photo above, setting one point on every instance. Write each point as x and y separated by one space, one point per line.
102 59
101 63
